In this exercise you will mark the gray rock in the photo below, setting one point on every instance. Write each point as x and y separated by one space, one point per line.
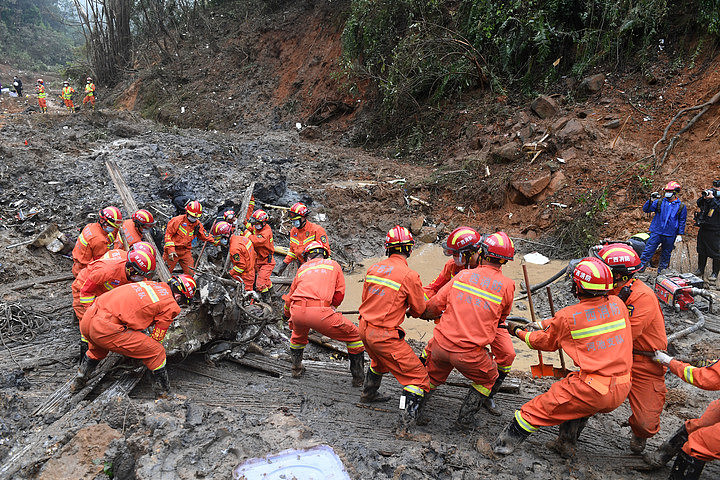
593 83
505 154
544 106
612 124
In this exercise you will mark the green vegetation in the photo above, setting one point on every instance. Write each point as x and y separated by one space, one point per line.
37 34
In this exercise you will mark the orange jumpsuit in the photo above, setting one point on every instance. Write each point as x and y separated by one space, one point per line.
131 233
264 246
501 347
242 255
92 244
179 235
596 334
117 253
99 277
116 320
300 237
390 288
647 393
474 303
704 432
318 287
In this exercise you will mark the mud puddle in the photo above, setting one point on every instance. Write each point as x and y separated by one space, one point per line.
428 260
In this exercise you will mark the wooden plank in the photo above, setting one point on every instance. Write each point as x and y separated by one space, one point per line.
37 281
238 230
131 207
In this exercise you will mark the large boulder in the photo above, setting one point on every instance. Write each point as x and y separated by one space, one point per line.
544 106
532 186
592 84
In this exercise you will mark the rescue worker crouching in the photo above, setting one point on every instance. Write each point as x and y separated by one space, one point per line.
390 289
472 304
116 321
302 233
318 288
596 334
97 238
179 234
261 236
242 254
647 391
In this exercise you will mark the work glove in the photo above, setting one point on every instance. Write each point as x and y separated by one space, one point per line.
513 327
159 334
678 239
654 195
662 357
280 268
172 256
532 326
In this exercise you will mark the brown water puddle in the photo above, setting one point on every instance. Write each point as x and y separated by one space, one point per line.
428 260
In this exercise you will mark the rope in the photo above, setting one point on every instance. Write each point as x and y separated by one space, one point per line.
20 324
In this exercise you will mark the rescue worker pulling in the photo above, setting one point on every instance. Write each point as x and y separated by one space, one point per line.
242 254
41 95
472 305
116 321
179 234
97 238
67 94
596 334
89 93
391 289
317 289
261 236
302 233
134 227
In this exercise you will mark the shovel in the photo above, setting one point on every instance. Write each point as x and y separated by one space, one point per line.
541 369
561 372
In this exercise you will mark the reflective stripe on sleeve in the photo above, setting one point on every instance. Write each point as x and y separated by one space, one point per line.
688 374
151 293
357 344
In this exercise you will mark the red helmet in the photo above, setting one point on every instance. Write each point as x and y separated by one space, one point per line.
621 258
498 246
111 216
229 216
259 216
194 209
399 239
672 186
185 285
40 81
299 210
143 219
141 262
592 276
222 229
461 240
144 247
314 246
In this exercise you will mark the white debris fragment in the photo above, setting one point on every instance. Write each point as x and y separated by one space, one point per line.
536 258
298 125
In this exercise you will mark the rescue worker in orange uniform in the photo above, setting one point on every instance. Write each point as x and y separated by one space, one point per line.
596 334
123 254
261 236
41 95
97 238
317 289
89 93
179 234
501 347
302 233
390 289
698 440
105 274
67 94
647 393
116 321
134 227
242 254
472 305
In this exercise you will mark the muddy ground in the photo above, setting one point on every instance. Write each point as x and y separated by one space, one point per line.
224 413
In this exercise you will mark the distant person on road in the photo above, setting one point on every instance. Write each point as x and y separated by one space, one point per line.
17 85
179 235
667 226
302 233
89 93
67 94
41 95
708 239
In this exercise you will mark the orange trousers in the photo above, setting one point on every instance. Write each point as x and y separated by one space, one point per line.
503 350
184 256
247 277
263 272
79 308
69 104
323 320
569 399
475 365
647 396
704 434
104 335
42 102
89 98
77 267
388 352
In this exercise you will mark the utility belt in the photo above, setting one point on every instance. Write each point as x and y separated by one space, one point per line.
602 384
309 303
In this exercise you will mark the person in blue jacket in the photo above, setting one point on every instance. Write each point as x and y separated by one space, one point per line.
667 226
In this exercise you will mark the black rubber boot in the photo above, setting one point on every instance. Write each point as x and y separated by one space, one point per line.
471 404
686 467
423 418
357 367
660 457
87 365
266 297
296 354
370 388
637 444
160 382
512 436
489 404
413 407
83 350
566 443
